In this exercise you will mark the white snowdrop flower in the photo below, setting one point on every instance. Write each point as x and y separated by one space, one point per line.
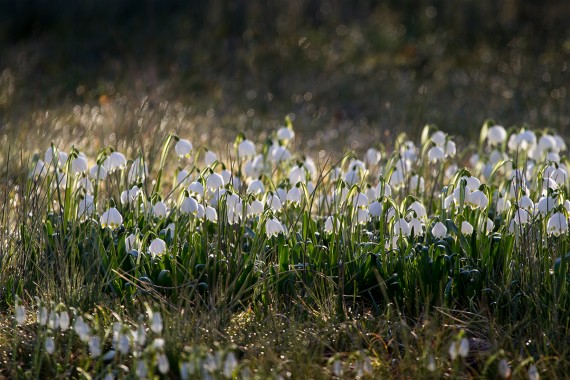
282 194
53 320
246 149
183 177
98 172
560 176
525 140
159 209
352 177
370 193
285 133
256 187
39 169
474 160
183 148
557 224
111 218
86 206
416 227
417 184
201 213
448 201
130 242
85 184
19 312
532 373
504 369
567 205
373 156
526 203
453 350
138 171
254 167
49 345
439 230
335 173
156 324
489 226
547 143
42 315
214 182
51 156
130 196
256 208
545 204
209 158
273 227
196 188
463 349
297 174
61 180
436 154
294 195
397 179
503 204
473 183
419 209
332 224
360 200
450 148
431 366
362 215
391 213
496 135
273 202
401 227
157 247
64 320
82 328
227 176
189 205
438 138
356 165
403 165
95 347
466 228
162 363
79 165
280 154
375 209
141 370
477 199
211 214
230 365
521 216
115 161
383 189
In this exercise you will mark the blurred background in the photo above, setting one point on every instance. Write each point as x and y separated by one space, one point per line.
353 72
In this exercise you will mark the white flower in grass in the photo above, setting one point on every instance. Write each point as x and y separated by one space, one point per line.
419 210
352 177
503 204
383 189
115 161
532 373
453 350
273 202
85 184
282 194
438 138
466 228
371 193
431 366
246 149
86 206
79 165
49 345
496 135
82 329
211 214
40 169
130 242
439 230
273 227
142 370
98 172
489 226
401 227
111 218
209 158
159 209
157 247
183 148
42 315
362 215
196 188
162 363
416 227
375 209
373 156
557 224
285 133
156 324
280 154
294 195
545 204
55 158
201 213
397 179
95 346
256 208
183 177
332 224
64 320
138 171
256 187
189 205
417 184
504 369
19 312
450 148
230 365
360 200
214 182
436 154
297 174
463 349
526 203
477 199
521 216
130 196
